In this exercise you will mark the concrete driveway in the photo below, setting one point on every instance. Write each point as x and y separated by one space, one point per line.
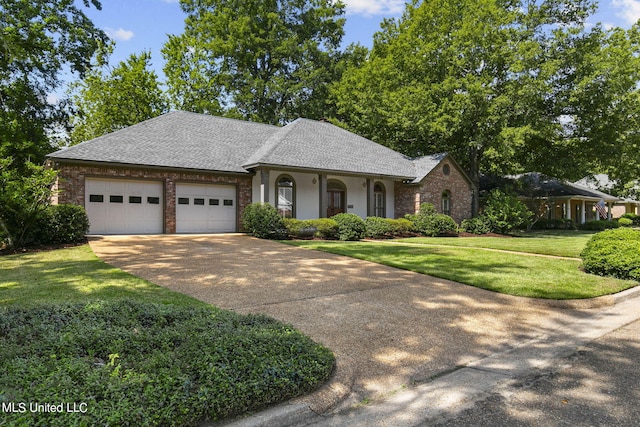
389 328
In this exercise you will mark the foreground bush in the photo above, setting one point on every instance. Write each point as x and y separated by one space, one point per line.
350 226
625 222
262 220
142 364
62 224
382 228
635 219
477 225
429 223
613 253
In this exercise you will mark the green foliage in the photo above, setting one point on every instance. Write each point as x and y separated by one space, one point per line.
62 224
625 222
262 220
39 40
554 224
477 225
613 253
599 225
633 217
23 198
128 94
143 364
326 228
269 62
377 228
350 226
505 213
429 223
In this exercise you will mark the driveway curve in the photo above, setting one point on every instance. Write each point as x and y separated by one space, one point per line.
388 328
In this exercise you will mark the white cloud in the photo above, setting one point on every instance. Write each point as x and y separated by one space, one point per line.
120 34
52 99
374 7
628 10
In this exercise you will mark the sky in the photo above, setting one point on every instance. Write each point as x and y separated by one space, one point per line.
138 25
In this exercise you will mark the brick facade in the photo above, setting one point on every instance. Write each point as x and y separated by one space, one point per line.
71 185
430 190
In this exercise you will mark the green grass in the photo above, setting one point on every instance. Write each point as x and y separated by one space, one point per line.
74 275
513 274
557 243
76 330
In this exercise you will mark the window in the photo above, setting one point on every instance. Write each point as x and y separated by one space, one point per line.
183 200
379 200
153 200
96 198
214 202
446 169
336 197
228 202
285 189
446 202
116 199
199 202
135 199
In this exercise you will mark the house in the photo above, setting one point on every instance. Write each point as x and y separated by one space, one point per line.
192 173
554 198
602 182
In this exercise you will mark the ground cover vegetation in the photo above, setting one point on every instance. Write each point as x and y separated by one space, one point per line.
509 273
76 330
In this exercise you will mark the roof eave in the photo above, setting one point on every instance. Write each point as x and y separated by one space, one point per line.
325 171
140 166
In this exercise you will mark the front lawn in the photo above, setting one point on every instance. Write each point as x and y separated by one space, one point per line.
112 349
558 243
509 273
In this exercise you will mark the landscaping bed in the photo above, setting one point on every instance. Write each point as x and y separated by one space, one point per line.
113 349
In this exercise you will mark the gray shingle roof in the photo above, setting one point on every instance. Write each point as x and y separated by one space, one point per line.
178 140
185 140
310 144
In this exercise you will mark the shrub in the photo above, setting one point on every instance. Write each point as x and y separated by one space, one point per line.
505 213
326 228
477 225
625 222
633 217
613 253
61 224
350 226
262 220
378 228
143 364
435 225
599 225
400 227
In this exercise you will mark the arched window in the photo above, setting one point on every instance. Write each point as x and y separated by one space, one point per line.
336 197
286 193
446 202
379 206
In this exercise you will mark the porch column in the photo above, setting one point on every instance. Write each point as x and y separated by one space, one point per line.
583 213
370 198
609 214
264 185
322 196
568 209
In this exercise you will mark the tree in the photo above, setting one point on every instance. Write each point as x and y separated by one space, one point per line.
39 39
266 61
493 82
123 96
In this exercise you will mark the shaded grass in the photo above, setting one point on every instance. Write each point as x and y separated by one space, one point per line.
513 274
557 243
75 275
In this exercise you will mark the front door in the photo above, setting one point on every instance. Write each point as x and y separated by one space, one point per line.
335 202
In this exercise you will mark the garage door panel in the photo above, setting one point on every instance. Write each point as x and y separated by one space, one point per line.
205 211
127 207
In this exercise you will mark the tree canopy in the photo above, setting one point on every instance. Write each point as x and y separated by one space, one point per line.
266 61
504 85
108 100
39 39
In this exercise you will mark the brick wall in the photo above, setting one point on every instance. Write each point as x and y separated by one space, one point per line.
409 197
71 178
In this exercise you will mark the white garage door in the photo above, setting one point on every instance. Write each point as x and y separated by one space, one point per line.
116 206
205 208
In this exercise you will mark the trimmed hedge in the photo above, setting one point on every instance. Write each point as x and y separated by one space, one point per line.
143 364
613 253
599 225
350 226
262 220
625 222
60 224
554 224
385 228
633 217
477 225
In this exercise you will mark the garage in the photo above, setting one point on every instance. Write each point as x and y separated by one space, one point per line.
205 208
118 206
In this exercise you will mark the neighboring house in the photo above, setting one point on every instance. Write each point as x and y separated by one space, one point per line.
553 198
190 173
602 182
